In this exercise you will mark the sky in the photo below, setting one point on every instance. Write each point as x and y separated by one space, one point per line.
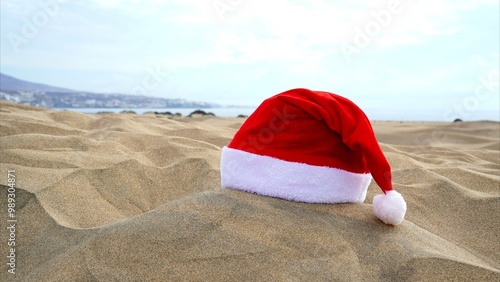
435 55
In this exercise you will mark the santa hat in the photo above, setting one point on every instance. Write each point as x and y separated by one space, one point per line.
314 147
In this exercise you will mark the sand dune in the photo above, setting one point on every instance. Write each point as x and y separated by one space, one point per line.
138 198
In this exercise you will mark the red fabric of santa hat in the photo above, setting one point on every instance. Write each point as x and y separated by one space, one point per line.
314 147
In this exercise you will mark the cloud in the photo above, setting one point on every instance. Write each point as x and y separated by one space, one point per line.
429 45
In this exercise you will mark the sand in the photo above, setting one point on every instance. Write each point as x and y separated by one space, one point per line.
121 197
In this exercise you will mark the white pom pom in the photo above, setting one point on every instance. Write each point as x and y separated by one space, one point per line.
390 207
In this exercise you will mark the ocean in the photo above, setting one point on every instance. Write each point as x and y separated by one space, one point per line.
373 114
220 112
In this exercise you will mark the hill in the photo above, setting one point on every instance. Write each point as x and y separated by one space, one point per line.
41 95
9 83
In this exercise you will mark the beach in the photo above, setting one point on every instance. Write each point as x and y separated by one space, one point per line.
125 197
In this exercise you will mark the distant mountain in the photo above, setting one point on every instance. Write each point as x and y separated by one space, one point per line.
42 95
9 83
